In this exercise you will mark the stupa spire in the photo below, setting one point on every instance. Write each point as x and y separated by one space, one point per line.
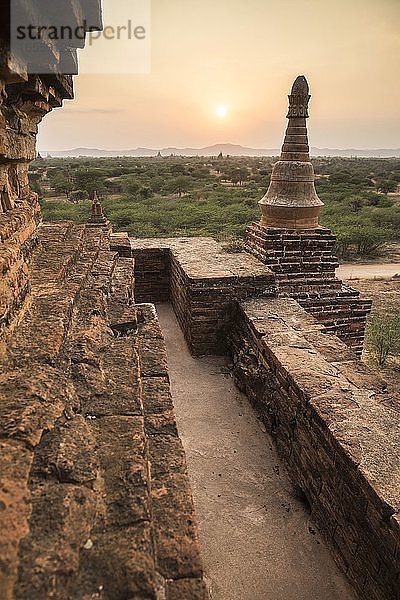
291 201
295 145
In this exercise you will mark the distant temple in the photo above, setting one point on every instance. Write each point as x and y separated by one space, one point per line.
97 217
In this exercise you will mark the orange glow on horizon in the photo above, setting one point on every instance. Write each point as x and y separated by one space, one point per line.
218 72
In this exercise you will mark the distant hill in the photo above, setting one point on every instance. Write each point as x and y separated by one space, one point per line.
226 149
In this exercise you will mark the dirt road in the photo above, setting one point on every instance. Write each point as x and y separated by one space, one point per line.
367 271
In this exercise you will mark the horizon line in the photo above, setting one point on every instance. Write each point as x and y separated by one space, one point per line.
160 148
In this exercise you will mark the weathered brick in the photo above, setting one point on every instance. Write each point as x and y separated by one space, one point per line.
340 446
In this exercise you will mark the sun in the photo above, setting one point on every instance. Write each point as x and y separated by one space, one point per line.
221 111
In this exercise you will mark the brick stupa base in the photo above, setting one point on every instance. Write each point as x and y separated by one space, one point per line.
304 266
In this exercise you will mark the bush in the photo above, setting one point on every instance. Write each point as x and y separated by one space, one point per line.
361 240
65 211
78 195
382 338
172 196
234 246
387 185
368 240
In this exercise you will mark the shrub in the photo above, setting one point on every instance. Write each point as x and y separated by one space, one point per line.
382 338
78 195
173 196
65 211
234 246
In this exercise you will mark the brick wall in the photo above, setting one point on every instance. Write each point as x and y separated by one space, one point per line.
152 274
152 267
25 98
304 265
336 426
23 104
94 494
17 240
202 283
203 306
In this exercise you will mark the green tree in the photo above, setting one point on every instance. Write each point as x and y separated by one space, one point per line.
114 185
91 180
181 184
78 195
131 186
34 182
383 337
177 169
63 185
157 183
387 185
145 192
242 174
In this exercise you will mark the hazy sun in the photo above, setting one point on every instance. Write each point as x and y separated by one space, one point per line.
221 111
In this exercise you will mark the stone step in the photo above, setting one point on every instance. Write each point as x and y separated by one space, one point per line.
60 247
121 308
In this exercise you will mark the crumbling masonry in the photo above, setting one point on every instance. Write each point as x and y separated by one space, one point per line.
95 499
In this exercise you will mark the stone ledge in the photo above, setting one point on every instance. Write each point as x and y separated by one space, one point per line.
335 424
201 280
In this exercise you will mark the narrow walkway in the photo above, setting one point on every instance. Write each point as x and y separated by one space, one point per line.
257 540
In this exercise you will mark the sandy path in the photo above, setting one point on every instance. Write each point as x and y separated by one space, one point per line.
369 271
257 540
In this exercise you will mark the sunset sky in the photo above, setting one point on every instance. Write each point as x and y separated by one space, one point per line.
221 71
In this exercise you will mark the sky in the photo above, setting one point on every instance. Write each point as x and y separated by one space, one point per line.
221 70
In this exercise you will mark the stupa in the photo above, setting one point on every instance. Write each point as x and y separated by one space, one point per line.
97 218
290 241
291 201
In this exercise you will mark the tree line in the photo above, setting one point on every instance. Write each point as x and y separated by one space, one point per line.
218 196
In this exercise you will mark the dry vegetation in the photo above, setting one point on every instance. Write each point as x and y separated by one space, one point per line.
174 196
385 294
